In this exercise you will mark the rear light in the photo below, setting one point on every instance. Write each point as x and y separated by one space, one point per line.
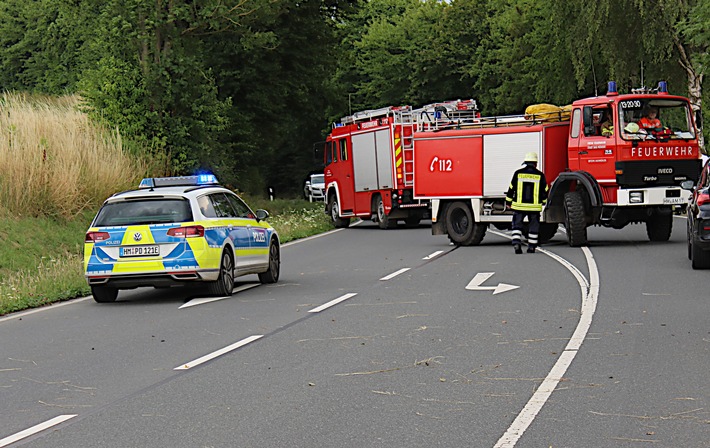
187 232
93 237
703 198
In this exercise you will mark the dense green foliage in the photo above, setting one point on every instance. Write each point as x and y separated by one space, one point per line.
245 87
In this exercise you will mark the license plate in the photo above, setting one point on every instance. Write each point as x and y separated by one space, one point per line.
140 251
674 200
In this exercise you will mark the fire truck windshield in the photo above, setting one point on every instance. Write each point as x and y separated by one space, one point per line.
655 118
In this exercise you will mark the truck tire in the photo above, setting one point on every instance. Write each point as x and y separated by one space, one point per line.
383 220
547 231
659 226
575 222
334 208
700 259
461 229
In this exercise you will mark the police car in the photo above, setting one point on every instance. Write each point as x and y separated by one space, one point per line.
176 231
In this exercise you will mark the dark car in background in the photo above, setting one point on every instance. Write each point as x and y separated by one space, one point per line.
699 219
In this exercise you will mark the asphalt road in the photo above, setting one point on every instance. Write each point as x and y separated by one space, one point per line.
381 338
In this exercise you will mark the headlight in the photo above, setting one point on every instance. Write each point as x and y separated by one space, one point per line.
636 197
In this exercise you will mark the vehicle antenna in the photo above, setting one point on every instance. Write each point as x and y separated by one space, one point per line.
594 74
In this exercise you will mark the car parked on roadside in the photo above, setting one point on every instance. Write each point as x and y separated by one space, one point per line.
698 213
176 231
314 189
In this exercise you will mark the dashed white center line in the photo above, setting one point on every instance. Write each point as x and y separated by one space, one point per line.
219 352
333 302
394 274
35 429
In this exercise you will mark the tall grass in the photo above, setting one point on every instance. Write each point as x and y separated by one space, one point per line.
56 168
55 161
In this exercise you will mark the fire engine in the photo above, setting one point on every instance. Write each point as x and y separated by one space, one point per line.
369 166
603 168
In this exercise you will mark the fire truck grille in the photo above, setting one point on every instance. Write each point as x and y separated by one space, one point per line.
656 172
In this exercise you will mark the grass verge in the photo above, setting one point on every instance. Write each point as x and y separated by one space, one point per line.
41 258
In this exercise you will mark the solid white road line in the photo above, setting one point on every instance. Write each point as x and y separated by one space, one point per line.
590 294
203 300
333 302
219 352
35 429
394 274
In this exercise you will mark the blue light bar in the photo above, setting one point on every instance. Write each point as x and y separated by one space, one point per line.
611 89
663 87
179 181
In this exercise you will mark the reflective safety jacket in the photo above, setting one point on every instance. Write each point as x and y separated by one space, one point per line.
528 189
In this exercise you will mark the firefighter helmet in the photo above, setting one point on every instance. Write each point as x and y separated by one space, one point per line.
632 128
531 157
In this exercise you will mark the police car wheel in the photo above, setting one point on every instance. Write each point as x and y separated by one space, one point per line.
272 275
225 283
104 294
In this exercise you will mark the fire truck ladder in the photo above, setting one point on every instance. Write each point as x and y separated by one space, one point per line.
404 127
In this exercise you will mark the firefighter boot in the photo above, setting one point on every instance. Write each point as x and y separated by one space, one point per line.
531 249
517 248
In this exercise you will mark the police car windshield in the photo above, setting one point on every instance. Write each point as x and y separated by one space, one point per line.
144 211
672 115
317 179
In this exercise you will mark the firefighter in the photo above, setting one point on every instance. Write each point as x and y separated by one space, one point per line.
526 196
649 120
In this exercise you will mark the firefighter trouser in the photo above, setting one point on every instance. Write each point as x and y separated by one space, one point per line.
533 227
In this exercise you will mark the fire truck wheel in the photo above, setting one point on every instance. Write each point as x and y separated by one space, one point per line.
335 212
574 219
547 231
700 259
384 221
659 226
461 227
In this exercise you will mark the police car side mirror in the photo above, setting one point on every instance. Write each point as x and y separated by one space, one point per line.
261 215
687 184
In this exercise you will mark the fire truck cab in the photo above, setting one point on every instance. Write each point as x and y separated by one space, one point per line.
604 167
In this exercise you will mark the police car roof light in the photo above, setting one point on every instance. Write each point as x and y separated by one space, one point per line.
179 181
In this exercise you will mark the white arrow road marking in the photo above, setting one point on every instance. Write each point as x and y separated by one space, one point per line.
475 284
35 429
203 300
220 352
434 255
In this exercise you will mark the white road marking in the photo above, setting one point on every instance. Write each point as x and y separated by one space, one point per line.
480 277
219 352
333 302
434 255
203 300
35 429
590 294
394 274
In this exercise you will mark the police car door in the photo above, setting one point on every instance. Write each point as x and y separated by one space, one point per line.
258 235
236 229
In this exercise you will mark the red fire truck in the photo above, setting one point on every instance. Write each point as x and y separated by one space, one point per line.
603 168
369 169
